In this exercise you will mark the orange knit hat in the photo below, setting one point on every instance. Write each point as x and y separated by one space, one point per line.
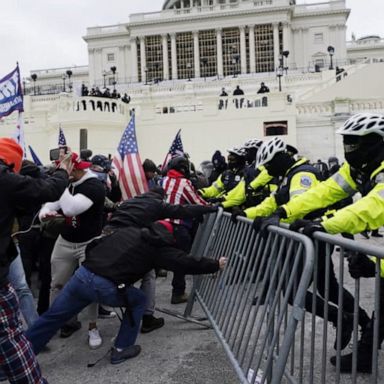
11 153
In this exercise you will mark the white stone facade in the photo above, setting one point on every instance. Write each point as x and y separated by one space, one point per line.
246 37
175 62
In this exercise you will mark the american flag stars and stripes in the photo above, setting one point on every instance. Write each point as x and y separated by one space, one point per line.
62 140
128 166
176 149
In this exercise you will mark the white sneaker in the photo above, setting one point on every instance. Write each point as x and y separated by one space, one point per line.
94 338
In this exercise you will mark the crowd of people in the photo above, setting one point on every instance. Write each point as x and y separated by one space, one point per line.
65 218
239 99
96 92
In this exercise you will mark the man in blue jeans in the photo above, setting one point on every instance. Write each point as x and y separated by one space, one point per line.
114 262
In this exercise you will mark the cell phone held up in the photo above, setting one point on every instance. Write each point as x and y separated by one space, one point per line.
54 154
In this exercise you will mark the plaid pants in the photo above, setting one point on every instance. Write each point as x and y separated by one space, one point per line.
17 361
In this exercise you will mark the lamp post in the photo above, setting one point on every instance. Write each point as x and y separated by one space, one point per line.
34 78
285 55
64 77
204 62
279 74
189 66
331 51
104 74
69 74
146 75
113 70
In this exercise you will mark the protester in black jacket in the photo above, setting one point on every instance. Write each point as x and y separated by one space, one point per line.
114 262
17 359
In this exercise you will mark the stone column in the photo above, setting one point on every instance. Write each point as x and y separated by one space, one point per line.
134 76
219 50
243 52
143 60
252 53
276 45
165 57
196 53
305 48
174 56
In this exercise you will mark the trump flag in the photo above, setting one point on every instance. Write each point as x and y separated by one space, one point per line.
11 95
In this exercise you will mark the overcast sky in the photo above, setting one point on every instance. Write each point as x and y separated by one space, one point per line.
42 34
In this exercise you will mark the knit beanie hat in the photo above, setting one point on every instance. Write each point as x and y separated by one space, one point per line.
11 153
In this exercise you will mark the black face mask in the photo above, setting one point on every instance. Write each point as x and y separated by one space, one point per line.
280 164
362 151
251 155
235 162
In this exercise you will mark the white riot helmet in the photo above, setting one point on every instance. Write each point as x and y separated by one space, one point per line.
238 151
363 124
253 143
268 151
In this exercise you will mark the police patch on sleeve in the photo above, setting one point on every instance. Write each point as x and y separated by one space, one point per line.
305 181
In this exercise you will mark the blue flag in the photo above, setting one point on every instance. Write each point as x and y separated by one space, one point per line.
35 159
11 95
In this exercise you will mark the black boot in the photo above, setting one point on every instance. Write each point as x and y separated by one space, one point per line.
364 360
346 330
150 323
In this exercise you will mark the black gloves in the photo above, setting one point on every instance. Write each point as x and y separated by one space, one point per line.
236 211
361 266
260 224
214 200
309 227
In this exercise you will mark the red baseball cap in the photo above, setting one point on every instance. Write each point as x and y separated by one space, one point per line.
78 163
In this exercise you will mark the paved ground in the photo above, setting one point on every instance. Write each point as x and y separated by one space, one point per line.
178 353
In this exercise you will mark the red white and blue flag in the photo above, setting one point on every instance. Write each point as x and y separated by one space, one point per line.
128 165
176 149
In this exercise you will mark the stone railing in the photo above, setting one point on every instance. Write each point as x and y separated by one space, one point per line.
108 29
341 106
260 102
320 7
100 104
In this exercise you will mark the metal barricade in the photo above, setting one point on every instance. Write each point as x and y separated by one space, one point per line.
337 298
256 303
273 285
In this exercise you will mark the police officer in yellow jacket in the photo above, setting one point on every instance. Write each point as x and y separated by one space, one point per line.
229 178
256 184
299 178
363 171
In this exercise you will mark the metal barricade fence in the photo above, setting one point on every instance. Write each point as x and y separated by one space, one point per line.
273 285
340 295
256 303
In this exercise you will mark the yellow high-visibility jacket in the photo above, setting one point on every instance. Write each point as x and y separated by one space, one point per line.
238 195
365 214
228 180
297 180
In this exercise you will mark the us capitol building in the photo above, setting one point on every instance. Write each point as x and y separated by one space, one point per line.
174 65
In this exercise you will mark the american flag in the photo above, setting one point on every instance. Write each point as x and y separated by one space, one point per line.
62 141
128 166
176 149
